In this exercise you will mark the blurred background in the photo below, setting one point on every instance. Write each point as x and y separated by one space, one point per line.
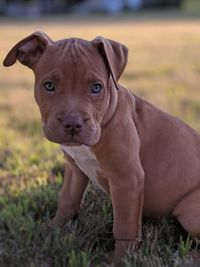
163 38
36 7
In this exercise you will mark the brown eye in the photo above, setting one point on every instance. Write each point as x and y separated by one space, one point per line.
49 86
96 88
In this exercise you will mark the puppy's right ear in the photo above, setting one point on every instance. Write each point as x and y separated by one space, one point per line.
29 50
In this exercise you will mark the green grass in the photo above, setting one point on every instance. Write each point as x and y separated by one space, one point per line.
164 68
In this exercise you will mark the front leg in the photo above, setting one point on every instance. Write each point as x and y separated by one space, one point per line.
71 193
120 159
127 200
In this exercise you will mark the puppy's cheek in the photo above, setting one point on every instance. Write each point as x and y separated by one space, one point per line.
50 135
47 133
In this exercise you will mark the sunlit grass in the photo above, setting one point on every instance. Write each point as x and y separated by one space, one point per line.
164 68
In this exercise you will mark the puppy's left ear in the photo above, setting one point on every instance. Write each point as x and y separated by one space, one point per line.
29 50
115 55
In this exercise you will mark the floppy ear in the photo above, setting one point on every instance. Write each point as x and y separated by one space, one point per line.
28 50
115 55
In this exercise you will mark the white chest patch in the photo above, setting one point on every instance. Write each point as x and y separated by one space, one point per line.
85 160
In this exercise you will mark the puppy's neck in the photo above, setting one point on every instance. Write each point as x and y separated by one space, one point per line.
112 104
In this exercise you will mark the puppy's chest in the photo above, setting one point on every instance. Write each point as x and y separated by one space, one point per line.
87 162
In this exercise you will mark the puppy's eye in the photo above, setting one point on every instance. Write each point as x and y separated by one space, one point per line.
49 86
96 88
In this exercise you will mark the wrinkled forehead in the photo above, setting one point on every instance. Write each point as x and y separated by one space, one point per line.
72 54
75 49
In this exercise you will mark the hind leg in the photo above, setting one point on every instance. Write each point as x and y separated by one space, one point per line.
187 213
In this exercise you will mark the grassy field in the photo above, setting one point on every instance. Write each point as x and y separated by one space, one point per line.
164 68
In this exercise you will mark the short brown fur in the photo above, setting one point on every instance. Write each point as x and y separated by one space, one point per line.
150 160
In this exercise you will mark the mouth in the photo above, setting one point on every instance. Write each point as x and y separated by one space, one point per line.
71 143
59 136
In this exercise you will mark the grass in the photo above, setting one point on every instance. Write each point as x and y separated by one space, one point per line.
163 68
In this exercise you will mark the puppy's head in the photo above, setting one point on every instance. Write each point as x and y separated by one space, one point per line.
75 84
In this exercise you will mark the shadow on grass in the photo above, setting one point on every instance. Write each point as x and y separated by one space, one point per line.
26 239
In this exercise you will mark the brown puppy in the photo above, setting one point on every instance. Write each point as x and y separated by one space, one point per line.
147 160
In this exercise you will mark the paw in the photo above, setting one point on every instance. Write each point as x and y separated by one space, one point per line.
116 257
57 221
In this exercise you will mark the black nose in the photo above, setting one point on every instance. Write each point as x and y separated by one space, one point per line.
72 124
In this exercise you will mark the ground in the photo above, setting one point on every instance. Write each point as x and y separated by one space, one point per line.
163 68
